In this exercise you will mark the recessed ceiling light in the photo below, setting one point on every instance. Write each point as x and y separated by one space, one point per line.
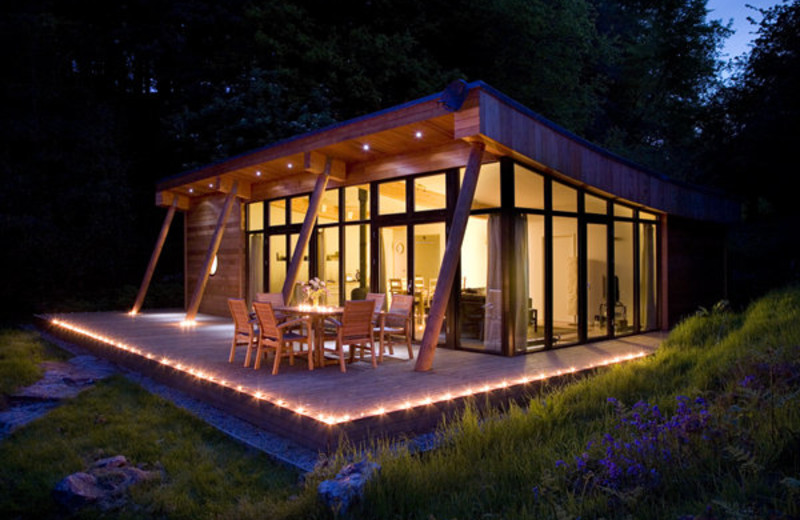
258 173
418 134
365 147
290 166
210 185
191 190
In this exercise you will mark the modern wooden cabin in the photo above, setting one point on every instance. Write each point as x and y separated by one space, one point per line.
512 234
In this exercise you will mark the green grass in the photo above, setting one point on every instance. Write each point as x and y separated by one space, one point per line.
207 475
20 354
503 465
733 444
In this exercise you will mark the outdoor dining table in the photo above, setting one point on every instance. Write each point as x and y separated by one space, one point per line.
317 315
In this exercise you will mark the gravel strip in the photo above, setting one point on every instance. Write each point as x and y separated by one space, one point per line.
279 448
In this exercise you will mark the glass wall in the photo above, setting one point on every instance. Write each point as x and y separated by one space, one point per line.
532 288
624 258
475 253
575 266
565 280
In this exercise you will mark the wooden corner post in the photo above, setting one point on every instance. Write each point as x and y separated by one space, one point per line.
151 267
305 232
213 248
452 254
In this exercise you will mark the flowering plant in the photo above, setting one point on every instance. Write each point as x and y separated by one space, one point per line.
313 289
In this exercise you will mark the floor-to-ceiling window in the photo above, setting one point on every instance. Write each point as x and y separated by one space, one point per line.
543 263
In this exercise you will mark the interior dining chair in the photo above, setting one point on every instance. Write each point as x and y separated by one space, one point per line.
243 330
397 322
280 338
355 330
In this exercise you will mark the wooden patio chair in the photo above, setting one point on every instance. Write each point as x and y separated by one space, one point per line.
378 298
277 336
355 330
274 298
397 322
243 329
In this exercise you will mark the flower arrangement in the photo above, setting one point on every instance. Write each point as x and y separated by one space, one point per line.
313 289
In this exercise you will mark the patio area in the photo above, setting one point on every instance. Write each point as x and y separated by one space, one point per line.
319 408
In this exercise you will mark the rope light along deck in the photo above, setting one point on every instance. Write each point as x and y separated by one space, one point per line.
321 415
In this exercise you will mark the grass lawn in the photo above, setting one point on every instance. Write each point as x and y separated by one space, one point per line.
708 427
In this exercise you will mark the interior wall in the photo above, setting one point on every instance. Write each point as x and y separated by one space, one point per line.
229 280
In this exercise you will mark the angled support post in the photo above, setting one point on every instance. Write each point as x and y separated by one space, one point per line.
151 267
452 253
213 248
305 232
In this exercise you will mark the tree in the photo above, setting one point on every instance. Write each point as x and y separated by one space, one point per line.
665 61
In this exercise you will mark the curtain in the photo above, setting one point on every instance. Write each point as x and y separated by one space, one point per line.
521 282
648 277
493 322
256 265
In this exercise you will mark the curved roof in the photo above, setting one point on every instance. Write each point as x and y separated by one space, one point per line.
426 135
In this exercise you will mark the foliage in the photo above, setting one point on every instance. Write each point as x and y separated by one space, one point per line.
757 117
712 432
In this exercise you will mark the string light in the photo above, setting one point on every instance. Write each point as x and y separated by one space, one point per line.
321 416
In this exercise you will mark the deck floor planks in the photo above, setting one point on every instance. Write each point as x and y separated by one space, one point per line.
362 389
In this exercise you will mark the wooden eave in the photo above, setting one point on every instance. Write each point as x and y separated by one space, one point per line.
506 128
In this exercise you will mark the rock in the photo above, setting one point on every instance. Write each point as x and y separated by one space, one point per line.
348 485
105 484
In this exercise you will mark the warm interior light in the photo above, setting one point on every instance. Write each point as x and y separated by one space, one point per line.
290 166
365 147
418 134
191 190
258 173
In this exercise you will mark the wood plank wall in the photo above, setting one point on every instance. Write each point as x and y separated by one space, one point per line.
229 281
523 135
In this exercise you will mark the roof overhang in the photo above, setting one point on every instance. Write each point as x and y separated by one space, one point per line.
431 134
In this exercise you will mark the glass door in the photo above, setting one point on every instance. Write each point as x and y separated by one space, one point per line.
429 244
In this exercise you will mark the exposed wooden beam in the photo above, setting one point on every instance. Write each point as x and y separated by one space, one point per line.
305 232
315 162
452 254
166 198
213 248
151 267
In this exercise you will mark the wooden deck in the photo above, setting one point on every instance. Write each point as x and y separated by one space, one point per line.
318 408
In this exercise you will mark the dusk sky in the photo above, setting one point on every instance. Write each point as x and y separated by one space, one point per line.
726 10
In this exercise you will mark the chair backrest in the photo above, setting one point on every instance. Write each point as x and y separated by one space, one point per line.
241 318
275 298
378 298
357 318
267 323
419 284
402 304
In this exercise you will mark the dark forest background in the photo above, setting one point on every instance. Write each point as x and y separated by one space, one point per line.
101 99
